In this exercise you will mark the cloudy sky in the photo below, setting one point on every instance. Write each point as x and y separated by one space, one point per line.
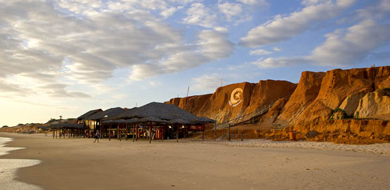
66 57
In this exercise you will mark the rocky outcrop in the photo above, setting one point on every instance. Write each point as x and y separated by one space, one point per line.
351 103
318 94
374 105
305 93
267 92
321 101
228 102
236 100
191 104
314 99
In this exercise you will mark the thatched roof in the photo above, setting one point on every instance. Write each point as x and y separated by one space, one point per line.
113 121
178 121
132 120
89 113
66 126
151 119
206 120
161 111
106 114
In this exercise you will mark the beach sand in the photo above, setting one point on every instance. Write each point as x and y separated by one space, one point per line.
82 164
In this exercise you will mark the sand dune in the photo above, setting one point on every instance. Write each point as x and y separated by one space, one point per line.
82 164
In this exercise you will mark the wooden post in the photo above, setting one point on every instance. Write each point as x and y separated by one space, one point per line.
215 130
126 131
242 135
229 133
53 133
150 133
109 134
177 133
136 129
186 131
119 136
203 126
133 132
162 131
85 136
101 131
56 133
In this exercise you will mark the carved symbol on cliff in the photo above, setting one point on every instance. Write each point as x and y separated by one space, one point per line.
236 97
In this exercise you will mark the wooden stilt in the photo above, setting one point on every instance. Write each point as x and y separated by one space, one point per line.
126 132
101 131
136 139
177 132
229 133
203 127
84 130
215 130
109 134
150 133
117 134
133 132
162 133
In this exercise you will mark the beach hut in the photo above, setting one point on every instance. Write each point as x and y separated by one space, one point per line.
82 120
164 114
94 121
66 129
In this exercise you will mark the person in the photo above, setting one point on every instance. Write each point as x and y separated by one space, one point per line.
97 135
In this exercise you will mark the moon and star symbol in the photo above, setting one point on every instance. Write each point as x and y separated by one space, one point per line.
236 97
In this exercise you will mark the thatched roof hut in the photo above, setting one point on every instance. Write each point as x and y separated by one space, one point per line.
106 114
89 113
162 112
66 126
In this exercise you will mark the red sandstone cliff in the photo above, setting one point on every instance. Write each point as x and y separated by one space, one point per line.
231 101
319 94
315 98
339 105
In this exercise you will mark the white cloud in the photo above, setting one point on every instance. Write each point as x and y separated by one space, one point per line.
143 71
341 48
199 14
279 62
254 2
168 12
277 49
210 46
83 42
313 2
230 9
206 83
214 45
259 52
380 9
346 47
221 29
283 28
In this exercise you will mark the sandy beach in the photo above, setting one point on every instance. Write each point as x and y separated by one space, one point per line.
251 164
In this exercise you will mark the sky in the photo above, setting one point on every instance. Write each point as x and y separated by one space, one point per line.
66 57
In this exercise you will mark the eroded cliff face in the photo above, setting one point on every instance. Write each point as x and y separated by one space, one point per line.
235 100
350 106
319 94
314 99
